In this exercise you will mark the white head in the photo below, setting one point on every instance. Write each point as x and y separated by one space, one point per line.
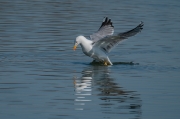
78 41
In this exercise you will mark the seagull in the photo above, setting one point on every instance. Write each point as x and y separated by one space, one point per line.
103 41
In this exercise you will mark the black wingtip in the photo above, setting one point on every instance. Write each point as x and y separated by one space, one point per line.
141 25
132 32
106 21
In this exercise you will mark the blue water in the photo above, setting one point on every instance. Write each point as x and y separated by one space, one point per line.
42 77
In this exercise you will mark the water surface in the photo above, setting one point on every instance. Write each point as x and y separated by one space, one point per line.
42 77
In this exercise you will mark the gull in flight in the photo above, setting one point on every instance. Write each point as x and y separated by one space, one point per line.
102 41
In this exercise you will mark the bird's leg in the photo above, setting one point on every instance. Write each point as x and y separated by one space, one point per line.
105 63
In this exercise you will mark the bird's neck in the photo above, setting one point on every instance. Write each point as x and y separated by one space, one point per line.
86 45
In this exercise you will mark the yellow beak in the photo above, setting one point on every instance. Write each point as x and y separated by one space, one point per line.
74 48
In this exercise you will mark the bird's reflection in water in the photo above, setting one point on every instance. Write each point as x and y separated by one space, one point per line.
114 99
83 88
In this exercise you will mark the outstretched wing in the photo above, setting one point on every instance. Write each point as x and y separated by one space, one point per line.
107 43
105 29
133 31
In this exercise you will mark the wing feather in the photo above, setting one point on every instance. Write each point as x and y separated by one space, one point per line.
133 31
105 29
109 42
